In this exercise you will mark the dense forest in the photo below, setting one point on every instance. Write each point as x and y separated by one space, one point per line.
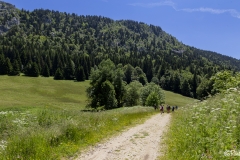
67 46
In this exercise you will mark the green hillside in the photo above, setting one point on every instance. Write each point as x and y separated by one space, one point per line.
174 99
67 46
25 91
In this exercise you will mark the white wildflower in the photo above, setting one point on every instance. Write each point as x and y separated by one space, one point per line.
3 144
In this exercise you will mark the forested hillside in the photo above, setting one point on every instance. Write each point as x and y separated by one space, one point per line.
67 46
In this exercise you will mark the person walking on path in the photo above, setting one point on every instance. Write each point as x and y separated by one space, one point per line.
168 109
161 109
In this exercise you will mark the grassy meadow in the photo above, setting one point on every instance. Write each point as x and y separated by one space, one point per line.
41 92
41 118
206 130
179 100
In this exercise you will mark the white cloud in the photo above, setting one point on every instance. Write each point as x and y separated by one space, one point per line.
150 5
232 12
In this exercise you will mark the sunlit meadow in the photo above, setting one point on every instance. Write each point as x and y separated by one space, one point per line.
207 130
44 119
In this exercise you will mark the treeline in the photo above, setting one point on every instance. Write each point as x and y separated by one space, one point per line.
66 46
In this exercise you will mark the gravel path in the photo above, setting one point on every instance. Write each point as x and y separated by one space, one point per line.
141 142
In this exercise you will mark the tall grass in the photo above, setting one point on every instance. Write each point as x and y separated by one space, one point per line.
206 130
54 133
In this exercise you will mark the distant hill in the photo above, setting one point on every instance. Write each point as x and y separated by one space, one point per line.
42 41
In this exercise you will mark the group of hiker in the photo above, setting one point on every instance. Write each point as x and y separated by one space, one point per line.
168 108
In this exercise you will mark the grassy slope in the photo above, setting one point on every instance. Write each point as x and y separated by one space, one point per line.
38 92
49 112
174 99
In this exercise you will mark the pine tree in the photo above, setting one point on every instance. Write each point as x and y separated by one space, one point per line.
46 72
128 73
58 75
80 75
16 69
185 88
194 84
177 82
2 64
69 70
8 66
34 72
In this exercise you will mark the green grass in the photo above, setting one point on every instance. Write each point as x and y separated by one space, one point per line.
41 92
41 118
55 133
174 99
206 130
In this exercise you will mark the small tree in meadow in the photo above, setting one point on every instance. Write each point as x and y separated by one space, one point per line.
154 91
152 99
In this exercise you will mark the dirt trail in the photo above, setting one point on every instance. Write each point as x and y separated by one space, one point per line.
141 142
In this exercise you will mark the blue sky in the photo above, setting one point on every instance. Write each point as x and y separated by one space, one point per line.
205 24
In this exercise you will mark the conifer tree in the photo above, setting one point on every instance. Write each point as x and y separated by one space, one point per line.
80 75
185 88
46 72
34 72
59 74
8 66
16 68
2 64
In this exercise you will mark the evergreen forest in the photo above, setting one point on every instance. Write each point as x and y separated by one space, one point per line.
68 46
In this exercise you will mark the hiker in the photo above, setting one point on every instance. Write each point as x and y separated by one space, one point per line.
168 109
176 107
161 109
173 108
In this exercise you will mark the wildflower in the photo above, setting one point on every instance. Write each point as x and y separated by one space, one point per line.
3 144
115 119
19 121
